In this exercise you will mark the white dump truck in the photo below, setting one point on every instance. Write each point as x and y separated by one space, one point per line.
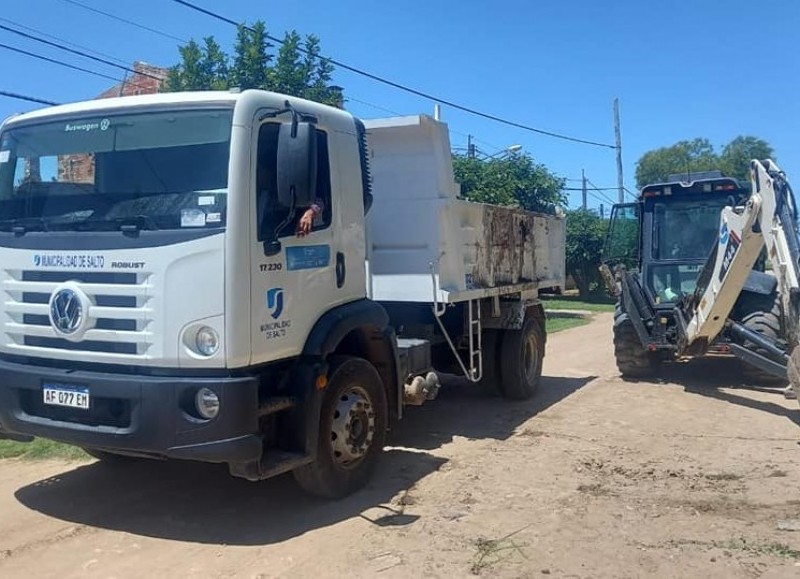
252 279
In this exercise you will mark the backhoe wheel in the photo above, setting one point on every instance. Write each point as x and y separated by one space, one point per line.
768 324
521 357
633 361
352 430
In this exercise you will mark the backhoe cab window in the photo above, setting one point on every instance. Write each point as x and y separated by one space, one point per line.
271 214
685 230
153 170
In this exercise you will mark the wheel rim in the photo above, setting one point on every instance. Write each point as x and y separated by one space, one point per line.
531 359
352 427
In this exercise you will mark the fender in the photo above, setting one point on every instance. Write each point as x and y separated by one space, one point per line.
335 324
325 337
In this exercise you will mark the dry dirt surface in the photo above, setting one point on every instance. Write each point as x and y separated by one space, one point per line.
693 476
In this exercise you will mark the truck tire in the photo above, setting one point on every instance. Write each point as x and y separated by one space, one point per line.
768 324
633 361
521 355
352 430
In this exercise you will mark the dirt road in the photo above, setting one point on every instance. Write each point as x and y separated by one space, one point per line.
595 478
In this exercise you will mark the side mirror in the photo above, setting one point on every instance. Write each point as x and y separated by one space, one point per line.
297 165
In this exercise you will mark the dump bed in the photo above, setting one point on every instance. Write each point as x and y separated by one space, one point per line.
422 239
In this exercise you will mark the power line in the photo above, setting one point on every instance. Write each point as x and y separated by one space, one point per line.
23 97
78 52
66 64
391 112
67 42
399 86
125 20
599 191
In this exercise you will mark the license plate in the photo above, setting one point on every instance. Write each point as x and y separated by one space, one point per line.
69 396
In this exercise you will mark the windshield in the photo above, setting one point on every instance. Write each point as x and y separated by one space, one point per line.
154 170
684 233
685 230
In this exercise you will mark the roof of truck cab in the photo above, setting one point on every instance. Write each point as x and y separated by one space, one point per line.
127 102
223 98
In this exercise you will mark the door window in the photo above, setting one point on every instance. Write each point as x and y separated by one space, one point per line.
272 216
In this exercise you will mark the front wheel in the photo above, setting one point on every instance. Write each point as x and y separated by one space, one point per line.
633 361
352 430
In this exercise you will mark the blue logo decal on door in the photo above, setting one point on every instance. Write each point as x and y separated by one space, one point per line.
275 302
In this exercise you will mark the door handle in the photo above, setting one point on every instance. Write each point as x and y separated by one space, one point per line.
341 270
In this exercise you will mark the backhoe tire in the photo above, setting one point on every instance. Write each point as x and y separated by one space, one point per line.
768 324
521 356
352 430
633 361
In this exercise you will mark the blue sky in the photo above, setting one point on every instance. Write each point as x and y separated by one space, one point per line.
681 68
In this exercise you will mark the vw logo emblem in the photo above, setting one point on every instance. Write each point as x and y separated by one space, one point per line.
66 311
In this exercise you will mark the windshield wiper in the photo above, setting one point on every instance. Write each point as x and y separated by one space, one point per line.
22 225
131 224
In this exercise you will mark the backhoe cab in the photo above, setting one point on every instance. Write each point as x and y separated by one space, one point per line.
656 251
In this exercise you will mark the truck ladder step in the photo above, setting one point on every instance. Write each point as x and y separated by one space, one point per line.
273 463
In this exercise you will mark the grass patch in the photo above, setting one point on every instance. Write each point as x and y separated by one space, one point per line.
490 552
557 324
40 449
772 548
573 303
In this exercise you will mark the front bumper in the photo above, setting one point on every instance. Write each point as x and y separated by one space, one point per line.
137 414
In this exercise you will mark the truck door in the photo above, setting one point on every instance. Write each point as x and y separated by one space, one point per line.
292 288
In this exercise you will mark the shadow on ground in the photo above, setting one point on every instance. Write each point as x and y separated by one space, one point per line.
201 503
708 376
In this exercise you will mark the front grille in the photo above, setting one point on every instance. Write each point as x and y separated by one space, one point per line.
82 346
120 315
114 412
97 277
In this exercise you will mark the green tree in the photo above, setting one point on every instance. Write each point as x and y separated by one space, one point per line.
736 156
251 60
515 181
586 234
683 157
699 155
298 68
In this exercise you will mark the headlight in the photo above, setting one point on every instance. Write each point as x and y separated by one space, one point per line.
207 403
207 341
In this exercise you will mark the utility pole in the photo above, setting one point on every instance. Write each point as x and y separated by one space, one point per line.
620 185
583 189
470 147
602 212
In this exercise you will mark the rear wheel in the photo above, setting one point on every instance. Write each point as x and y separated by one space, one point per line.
521 355
352 430
633 361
